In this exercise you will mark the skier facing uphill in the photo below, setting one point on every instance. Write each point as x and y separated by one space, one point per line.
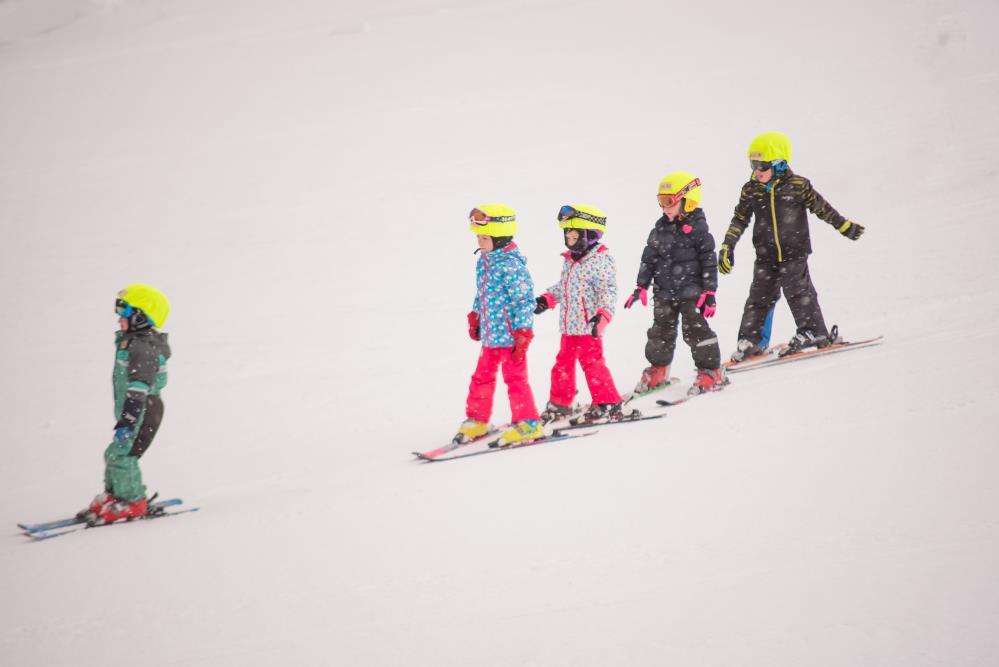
502 318
679 259
586 292
140 374
777 199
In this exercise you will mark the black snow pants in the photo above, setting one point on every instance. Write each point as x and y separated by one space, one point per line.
150 424
769 279
697 334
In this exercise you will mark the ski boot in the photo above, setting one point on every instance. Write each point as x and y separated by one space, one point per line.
653 377
522 431
745 349
708 380
471 430
96 506
806 339
119 509
555 412
599 413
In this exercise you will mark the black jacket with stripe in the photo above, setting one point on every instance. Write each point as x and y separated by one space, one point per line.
780 230
679 259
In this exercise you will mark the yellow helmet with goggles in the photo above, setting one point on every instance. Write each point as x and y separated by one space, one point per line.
146 298
678 185
769 147
493 220
581 216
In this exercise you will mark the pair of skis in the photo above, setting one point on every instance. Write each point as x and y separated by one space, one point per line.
772 357
488 444
50 529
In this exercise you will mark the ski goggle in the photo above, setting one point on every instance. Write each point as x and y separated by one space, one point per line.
123 309
759 165
568 212
480 217
672 199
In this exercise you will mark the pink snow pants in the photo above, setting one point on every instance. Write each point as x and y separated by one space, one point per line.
590 353
479 405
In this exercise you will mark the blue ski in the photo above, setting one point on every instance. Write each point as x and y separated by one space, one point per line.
38 536
63 523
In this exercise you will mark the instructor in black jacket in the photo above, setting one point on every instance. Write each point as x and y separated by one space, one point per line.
779 201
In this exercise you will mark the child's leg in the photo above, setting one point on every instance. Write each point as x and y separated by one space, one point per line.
122 476
802 298
763 294
662 335
479 405
768 325
564 372
598 376
522 406
698 335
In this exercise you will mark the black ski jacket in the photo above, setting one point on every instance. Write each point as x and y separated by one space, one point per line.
679 258
780 230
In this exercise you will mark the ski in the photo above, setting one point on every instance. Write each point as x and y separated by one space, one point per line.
574 426
38 536
451 446
808 353
479 447
63 523
631 395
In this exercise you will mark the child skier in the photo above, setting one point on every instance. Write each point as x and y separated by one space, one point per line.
587 292
777 199
502 318
140 374
679 259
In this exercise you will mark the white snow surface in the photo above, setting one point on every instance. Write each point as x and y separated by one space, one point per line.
296 177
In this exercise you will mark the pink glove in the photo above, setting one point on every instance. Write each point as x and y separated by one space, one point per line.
706 304
641 294
599 322
521 341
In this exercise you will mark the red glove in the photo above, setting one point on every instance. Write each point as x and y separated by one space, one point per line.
640 294
521 341
473 325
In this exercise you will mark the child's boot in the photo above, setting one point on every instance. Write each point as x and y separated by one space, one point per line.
555 412
608 412
745 349
708 380
653 377
522 431
471 430
120 509
96 505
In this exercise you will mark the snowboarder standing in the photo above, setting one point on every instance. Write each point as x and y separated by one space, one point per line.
502 318
779 201
140 374
679 261
586 293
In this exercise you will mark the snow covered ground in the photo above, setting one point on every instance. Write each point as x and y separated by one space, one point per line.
296 176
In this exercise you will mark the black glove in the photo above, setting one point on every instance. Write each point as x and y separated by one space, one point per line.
726 258
851 230
542 305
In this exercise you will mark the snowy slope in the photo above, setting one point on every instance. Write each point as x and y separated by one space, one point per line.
295 176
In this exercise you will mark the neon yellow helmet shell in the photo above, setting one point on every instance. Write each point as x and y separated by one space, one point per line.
149 300
770 146
592 218
502 222
675 181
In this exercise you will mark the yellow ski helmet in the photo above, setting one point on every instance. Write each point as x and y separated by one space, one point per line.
770 146
149 300
680 185
493 220
582 216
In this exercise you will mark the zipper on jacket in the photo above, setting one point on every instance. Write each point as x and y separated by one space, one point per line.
773 213
565 295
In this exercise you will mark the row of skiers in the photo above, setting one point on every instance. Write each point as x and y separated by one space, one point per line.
679 264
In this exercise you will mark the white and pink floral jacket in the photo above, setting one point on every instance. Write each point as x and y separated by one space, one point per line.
586 288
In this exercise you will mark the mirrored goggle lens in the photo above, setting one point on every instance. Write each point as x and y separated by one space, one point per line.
123 309
668 200
478 217
566 212
759 165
